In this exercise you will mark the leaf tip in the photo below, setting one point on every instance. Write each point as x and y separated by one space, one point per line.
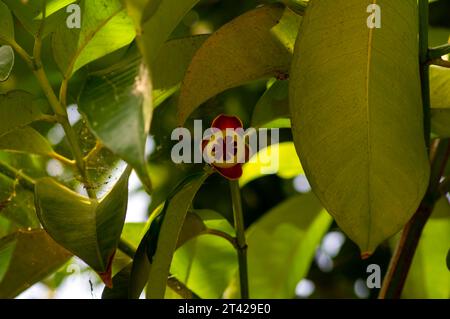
366 255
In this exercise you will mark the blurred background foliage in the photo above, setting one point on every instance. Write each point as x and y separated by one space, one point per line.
336 271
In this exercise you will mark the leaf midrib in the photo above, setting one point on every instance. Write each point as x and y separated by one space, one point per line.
369 146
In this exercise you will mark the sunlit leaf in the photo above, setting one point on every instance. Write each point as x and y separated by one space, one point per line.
29 256
105 28
429 276
256 45
280 159
360 140
292 232
88 228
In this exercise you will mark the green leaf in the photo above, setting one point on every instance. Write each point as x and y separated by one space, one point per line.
53 6
360 140
6 24
160 19
17 203
6 62
17 110
105 28
429 276
26 140
256 45
291 231
88 228
280 159
171 64
440 101
174 215
117 101
29 257
206 263
142 10
272 106
192 226
30 14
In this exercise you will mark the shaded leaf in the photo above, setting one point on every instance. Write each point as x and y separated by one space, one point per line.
174 216
33 255
120 285
160 19
17 110
440 101
206 263
360 140
171 64
26 140
256 45
88 228
30 14
105 28
17 204
6 24
272 106
117 101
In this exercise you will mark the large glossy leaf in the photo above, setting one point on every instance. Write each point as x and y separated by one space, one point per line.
440 101
360 140
159 20
26 140
6 62
17 110
116 101
105 28
88 228
174 215
256 45
291 231
28 257
429 276
280 159
30 14
6 24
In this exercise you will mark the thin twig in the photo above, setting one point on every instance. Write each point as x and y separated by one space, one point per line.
240 238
